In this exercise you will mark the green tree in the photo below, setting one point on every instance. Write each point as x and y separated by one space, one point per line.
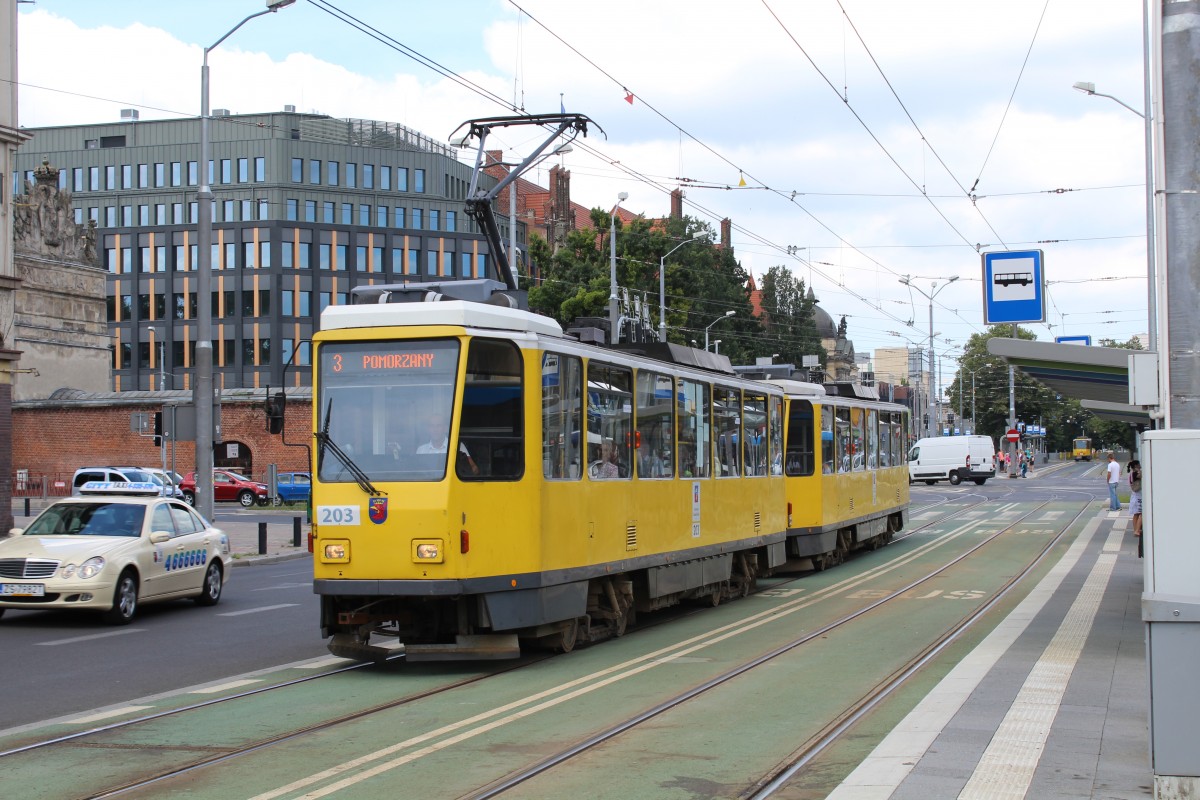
788 320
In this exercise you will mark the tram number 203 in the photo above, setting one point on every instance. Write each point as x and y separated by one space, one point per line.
337 515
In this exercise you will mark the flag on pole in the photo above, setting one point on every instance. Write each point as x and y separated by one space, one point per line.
561 106
629 97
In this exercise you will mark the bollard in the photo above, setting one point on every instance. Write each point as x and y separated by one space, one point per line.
295 531
262 538
27 513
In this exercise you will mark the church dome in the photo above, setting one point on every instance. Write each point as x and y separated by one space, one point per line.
826 328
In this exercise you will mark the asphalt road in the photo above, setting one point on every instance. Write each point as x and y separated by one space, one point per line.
58 663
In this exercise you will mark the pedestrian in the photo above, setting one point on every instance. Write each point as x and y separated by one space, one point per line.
1024 462
1135 495
1112 474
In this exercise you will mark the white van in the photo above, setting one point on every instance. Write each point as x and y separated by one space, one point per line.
952 458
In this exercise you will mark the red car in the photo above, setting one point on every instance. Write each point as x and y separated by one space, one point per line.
227 486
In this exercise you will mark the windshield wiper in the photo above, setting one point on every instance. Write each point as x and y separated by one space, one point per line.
323 442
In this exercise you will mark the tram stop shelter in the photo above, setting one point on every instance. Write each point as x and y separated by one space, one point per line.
1098 377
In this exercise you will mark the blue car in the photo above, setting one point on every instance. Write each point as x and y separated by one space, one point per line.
294 487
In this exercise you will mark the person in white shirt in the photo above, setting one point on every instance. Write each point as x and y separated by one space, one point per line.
1113 475
438 428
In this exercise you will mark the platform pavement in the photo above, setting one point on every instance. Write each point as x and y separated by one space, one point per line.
1054 703
240 525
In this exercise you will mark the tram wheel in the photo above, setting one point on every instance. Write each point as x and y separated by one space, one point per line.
819 563
565 640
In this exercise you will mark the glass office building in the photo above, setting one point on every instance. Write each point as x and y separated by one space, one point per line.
306 207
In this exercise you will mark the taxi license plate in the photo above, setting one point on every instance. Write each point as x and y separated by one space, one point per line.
22 590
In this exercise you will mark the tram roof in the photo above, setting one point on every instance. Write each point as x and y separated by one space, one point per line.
1096 376
466 313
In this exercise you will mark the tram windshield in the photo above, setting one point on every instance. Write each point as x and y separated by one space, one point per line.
387 406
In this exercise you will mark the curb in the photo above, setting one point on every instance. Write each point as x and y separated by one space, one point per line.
252 560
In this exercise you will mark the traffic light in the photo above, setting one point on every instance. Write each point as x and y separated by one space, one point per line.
276 405
158 429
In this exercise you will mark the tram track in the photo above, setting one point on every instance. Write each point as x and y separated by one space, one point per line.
767 785
210 759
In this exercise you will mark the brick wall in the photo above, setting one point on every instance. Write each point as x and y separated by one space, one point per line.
55 441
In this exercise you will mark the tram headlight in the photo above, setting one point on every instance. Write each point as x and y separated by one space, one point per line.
427 551
335 551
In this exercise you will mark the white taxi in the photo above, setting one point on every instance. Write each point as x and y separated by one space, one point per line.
113 547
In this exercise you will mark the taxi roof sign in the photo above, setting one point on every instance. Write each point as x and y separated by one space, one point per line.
142 489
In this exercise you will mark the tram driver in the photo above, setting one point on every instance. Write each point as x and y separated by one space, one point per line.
437 428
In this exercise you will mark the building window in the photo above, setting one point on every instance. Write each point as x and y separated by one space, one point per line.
286 255
177 213
297 170
264 255
331 172
324 255
351 175
226 170
264 209
385 178
431 262
310 210
243 166
451 221
110 216
381 216
110 178
143 176
160 213
77 215
347 213
433 219
193 173
360 259
143 215
93 179
368 176
416 219
251 256
126 176
414 261
211 173
127 216
464 261
247 210
303 260
176 173
160 174
314 171
341 257
364 215
260 169
419 181
77 182
230 211
401 179
193 212
398 215
328 209
293 209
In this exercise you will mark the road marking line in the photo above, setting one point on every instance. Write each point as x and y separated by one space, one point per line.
92 636
1007 766
327 661
882 772
256 610
224 687
103 715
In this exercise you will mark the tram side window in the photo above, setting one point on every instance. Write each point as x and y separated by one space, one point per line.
562 417
491 426
885 439
898 430
845 444
872 439
754 446
654 445
776 428
799 459
858 437
695 429
828 450
727 409
609 421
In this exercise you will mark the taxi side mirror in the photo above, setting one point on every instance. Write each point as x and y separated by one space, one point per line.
159 537
15 531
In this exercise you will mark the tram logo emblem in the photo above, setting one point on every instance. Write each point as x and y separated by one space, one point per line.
377 509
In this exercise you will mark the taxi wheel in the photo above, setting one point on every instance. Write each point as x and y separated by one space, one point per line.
246 498
210 591
125 600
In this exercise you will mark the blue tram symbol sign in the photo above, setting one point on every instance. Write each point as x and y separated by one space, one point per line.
1013 287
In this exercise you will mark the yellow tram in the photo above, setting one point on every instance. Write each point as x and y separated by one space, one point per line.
1081 449
483 480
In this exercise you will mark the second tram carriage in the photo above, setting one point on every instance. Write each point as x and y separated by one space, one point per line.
483 480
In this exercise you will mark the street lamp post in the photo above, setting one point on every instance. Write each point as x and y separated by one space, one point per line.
662 283
717 345
202 388
728 313
614 334
1089 88
932 293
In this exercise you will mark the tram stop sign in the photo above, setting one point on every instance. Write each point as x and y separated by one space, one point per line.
1013 435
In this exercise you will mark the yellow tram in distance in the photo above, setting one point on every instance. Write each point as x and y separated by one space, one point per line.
1081 449
845 471
483 480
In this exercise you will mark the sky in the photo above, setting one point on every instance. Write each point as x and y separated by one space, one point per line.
877 139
